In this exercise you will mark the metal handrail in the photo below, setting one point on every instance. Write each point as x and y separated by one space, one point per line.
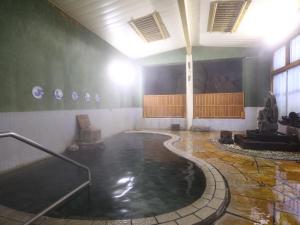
44 149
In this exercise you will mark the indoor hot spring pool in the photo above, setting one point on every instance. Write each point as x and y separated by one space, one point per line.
133 176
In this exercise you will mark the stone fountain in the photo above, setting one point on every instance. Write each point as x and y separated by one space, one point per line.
267 137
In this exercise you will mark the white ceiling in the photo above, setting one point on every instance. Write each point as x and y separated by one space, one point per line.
109 19
217 38
265 22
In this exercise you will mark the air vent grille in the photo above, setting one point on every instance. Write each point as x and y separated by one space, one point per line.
226 15
150 28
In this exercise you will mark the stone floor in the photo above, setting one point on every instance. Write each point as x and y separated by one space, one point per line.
262 191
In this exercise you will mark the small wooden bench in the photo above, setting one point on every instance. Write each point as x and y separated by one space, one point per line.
87 134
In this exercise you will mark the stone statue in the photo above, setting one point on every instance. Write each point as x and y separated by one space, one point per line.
268 116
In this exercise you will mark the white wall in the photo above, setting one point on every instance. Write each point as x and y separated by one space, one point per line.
161 123
56 130
250 122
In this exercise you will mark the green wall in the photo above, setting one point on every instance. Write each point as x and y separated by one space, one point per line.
39 45
256 67
209 53
199 53
170 57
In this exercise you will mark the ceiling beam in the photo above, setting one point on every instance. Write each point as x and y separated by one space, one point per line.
241 15
212 16
185 25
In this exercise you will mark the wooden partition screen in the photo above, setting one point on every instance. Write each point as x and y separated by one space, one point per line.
219 105
164 106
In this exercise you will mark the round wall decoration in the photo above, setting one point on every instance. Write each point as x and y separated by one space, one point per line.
97 98
37 92
87 97
58 94
75 96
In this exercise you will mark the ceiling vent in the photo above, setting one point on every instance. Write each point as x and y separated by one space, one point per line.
226 15
150 28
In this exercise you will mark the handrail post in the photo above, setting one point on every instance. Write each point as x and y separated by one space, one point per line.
60 156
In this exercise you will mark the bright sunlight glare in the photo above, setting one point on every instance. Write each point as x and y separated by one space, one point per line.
272 20
122 73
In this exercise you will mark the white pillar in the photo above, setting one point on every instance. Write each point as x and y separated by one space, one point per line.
189 91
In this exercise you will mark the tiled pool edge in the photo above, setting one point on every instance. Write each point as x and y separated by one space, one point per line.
208 208
214 200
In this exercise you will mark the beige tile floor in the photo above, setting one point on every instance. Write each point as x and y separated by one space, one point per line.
263 191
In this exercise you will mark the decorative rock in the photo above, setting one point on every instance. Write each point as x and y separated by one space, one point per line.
175 126
226 137
268 116
200 129
88 135
293 120
291 131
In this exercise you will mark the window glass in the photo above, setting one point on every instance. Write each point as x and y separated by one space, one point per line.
295 49
279 90
294 90
279 58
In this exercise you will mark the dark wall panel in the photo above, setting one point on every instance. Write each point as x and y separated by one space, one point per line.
218 76
258 72
164 79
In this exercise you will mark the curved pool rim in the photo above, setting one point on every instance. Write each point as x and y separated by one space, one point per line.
210 206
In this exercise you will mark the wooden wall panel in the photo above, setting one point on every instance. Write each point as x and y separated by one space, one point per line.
164 106
213 105
219 105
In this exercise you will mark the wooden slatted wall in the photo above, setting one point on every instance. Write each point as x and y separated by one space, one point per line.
164 106
213 105
219 105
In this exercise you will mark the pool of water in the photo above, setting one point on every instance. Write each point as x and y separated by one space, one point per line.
133 176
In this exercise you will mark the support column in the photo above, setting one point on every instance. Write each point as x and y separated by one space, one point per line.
189 92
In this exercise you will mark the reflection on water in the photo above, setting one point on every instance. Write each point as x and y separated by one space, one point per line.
124 185
133 175
189 176
287 188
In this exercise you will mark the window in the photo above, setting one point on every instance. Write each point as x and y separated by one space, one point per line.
286 77
295 49
293 93
279 90
279 58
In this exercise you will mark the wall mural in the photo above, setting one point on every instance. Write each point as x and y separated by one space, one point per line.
37 92
75 96
87 97
97 98
58 94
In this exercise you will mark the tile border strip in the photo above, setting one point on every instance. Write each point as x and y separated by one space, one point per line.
204 210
